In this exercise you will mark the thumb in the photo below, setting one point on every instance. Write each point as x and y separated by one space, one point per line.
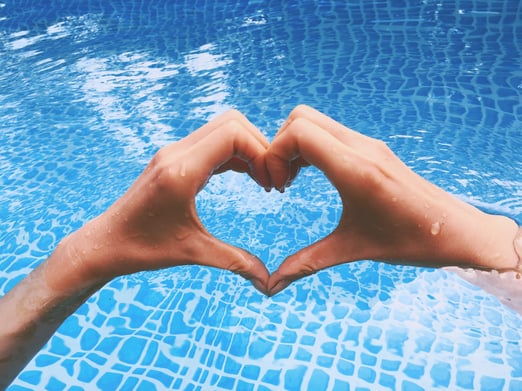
327 252
216 253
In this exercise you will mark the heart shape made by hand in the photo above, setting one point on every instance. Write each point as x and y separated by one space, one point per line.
389 213
270 225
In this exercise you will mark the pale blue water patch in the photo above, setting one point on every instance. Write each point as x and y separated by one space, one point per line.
90 90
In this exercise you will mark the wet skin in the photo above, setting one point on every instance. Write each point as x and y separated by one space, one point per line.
389 214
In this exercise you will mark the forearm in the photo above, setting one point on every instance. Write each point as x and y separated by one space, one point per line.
488 241
34 309
453 232
508 241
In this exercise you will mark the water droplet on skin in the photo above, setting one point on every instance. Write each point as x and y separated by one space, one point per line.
435 228
183 169
394 199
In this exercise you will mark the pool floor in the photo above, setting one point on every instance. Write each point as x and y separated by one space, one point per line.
90 90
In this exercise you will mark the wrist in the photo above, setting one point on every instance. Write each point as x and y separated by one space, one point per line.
496 246
74 265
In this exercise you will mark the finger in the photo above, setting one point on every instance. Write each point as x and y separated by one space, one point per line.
234 164
366 146
336 129
293 170
321 255
193 164
213 252
306 140
227 142
254 168
218 122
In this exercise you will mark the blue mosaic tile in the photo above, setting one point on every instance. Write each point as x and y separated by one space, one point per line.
490 383
515 385
441 374
465 379
90 90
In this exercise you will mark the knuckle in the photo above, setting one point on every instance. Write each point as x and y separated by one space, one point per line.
382 147
168 173
233 113
159 157
233 128
234 132
237 266
374 175
297 127
299 111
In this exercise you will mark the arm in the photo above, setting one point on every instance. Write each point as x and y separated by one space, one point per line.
153 225
389 212
33 310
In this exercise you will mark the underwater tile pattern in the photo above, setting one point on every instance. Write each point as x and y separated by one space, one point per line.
90 90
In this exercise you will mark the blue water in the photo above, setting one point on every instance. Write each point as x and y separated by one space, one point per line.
89 90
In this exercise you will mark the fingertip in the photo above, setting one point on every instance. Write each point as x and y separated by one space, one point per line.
259 172
279 280
253 269
260 286
278 287
278 170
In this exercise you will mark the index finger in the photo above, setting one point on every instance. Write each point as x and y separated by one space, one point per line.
229 140
305 139
211 126
342 133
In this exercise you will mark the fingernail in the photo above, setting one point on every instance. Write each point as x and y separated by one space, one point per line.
268 189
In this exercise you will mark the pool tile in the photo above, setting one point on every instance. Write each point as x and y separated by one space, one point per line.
405 73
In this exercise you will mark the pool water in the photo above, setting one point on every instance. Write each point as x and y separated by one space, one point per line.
89 90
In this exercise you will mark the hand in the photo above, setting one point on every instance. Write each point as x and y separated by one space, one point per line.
155 224
389 212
